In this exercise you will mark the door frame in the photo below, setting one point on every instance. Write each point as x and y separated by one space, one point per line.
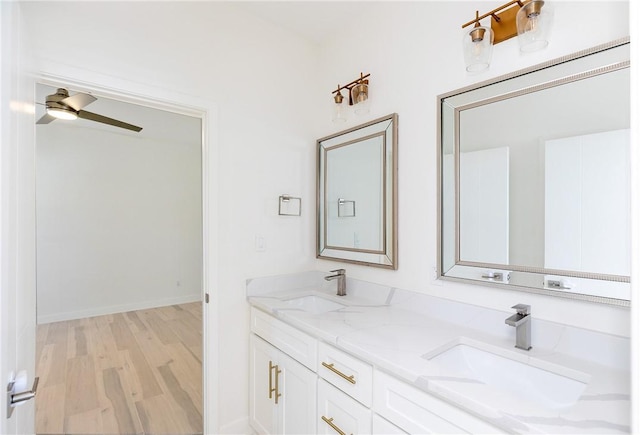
101 85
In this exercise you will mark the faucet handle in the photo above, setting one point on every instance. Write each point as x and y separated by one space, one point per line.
339 271
522 309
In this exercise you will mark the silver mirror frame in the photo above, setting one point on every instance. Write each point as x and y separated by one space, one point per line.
387 257
529 279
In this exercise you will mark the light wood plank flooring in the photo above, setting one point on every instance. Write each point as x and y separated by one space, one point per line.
129 373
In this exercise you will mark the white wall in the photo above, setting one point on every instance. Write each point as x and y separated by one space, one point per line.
119 216
254 72
413 52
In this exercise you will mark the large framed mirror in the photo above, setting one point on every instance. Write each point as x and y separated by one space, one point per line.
534 178
357 194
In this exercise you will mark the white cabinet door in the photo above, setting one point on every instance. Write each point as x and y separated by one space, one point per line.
297 384
262 408
339 413
282 396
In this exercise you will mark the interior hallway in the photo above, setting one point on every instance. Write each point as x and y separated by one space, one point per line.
136 372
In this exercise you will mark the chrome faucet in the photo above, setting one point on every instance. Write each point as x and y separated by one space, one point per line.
522 322
341 276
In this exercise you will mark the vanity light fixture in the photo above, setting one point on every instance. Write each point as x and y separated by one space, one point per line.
477 46
339 108
530 20
533 23
358 91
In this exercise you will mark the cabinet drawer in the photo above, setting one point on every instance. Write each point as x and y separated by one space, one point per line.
298 345
415 411
339 413
350 374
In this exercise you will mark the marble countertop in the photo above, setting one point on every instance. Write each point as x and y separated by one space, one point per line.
392 331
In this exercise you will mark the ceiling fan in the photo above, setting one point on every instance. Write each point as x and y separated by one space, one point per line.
62 106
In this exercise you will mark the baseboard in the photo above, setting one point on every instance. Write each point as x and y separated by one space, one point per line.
112 309
239 426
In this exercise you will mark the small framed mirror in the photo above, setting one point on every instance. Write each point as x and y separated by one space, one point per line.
357 194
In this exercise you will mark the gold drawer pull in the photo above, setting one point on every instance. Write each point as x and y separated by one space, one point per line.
339 373
329 421
271 388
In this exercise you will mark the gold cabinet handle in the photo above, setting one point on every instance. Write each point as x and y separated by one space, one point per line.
273 389
339 373
277 390
330 422
270 380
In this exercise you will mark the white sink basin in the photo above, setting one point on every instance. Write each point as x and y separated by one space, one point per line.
547 388
314 304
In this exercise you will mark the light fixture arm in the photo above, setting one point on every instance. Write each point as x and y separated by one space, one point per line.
494 12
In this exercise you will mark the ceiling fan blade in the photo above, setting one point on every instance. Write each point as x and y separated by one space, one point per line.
105 120
46 118
78 101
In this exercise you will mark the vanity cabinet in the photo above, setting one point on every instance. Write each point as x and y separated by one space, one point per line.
300 385
282 399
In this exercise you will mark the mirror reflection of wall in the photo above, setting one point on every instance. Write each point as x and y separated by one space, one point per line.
354 181
573 109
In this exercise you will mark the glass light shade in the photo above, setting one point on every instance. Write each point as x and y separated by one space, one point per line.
360 98
62 113
477 47
533 22
339 112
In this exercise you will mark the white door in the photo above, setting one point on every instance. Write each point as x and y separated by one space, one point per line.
587 209
484 206
17 222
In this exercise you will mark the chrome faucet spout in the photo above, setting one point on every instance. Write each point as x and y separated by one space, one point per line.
521 320
341 276
517 320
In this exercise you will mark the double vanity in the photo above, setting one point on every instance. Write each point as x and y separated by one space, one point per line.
521 206
383 360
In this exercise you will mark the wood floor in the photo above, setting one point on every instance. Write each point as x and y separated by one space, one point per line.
129 373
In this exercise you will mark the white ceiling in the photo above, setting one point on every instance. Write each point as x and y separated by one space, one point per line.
317 21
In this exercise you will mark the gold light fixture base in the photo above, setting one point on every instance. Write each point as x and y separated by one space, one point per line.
505 27
503 20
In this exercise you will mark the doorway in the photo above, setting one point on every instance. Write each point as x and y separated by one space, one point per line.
119 268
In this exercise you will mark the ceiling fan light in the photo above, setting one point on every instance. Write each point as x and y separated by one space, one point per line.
61 113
